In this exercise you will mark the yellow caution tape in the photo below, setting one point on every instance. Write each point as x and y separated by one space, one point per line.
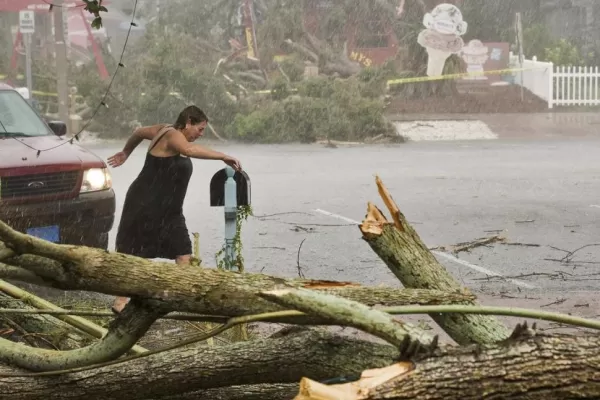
390 82
20 76
38 93
454 76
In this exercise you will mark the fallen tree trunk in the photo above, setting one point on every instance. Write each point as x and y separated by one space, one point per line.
276 391
550 367
405 254
285 358
544 367
201 290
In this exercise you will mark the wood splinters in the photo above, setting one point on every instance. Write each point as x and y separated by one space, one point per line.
374 221
390 204
359 390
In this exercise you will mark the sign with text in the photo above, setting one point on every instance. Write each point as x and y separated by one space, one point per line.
26 21
479 57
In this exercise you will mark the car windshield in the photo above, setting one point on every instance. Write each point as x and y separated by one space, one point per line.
17 118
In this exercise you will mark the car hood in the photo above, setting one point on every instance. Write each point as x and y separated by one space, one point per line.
22 152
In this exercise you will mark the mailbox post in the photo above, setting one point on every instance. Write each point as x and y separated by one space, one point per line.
230 189
230 217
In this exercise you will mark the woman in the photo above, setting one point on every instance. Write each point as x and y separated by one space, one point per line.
152 223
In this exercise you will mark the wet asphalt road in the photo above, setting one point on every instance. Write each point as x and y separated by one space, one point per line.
543 193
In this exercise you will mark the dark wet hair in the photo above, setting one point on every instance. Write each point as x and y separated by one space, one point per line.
192 114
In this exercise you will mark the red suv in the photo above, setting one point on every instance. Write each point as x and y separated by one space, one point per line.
62 194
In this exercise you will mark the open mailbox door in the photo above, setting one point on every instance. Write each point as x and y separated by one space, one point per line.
217 188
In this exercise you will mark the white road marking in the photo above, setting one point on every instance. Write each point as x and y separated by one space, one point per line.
595 206
337 216
483 270
447 256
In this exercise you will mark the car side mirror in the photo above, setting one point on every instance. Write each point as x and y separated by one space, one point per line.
58 127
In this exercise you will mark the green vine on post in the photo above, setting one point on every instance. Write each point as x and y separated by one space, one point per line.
242 215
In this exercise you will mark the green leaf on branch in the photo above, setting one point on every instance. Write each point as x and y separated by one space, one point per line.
95 7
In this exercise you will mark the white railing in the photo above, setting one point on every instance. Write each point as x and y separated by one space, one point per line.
559 85
536 76
576 86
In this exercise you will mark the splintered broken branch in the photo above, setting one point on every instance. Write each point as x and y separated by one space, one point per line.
538 367
415 266
369 380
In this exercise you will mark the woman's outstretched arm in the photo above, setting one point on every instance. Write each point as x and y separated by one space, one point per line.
179 143
138 136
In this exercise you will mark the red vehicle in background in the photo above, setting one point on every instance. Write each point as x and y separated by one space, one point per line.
62 194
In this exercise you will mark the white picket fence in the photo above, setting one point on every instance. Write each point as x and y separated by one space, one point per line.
576 86
559 85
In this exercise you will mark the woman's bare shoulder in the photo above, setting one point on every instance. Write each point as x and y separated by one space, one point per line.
149 132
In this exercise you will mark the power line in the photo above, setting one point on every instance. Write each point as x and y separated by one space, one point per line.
103 101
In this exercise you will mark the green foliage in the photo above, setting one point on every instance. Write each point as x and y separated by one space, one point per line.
494 20
243 213
563 52
293 68
539 42
157 86
323 108
173 65
280 89
94 7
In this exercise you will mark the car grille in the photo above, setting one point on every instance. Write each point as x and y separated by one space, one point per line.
24 186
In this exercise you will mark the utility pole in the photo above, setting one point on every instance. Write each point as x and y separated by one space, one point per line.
27 37
60 46
27 28
519 32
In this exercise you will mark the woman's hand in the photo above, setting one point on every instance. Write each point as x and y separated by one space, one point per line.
233 163
118 159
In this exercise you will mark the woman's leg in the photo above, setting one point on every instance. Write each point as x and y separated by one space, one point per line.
119 304
183 260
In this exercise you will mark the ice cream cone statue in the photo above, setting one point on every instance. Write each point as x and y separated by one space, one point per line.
442 36
475 54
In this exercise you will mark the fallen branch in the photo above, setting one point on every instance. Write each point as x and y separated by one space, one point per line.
512 370
350 313
468 246
315 354
122 335
42 330
403 251
223 292
82 324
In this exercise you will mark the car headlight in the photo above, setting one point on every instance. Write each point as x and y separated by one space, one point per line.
95 179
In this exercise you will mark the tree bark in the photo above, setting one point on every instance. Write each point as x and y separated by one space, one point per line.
124 332
542 368
551 367
278 391
350 313
42 331
201 290
286 358
405 254
79 323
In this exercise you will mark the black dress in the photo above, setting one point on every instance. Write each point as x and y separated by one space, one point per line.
152 223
